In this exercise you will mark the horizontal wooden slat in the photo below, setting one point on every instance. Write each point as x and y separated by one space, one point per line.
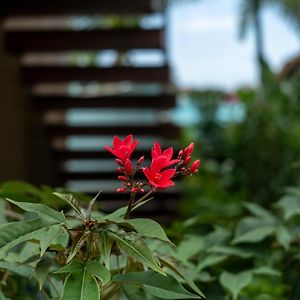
65 176
127 101
65 74
64 154
166 130
57 7
64 40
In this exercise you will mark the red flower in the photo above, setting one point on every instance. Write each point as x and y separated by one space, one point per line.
122 149
166 154
157 178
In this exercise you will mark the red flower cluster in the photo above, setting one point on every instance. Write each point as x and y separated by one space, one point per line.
158 174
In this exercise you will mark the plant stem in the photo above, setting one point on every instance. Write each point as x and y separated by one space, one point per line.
143 198
130 204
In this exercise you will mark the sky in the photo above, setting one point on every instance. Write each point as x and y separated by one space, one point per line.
204 49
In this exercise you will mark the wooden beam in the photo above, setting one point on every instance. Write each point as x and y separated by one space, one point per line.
162 101
98 39
63 7
33 74
163 130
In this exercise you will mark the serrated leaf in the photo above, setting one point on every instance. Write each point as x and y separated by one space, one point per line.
77 246
235 282
105 246
71 200
290 206
148 228
99 271
135 247
43 211
210 260
11 234
42 269
165 287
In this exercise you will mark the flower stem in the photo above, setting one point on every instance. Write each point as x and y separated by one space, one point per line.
130 204
143 198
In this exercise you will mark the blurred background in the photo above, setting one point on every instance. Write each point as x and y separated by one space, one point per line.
222 73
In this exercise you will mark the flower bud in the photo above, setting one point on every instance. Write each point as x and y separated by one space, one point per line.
119 170
189 149
123 178
180 153
127 166
121 190
119 162
187 160
194 167
141 160
134 190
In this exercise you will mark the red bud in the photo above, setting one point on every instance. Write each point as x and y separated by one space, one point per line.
194 167
141 160
127 166
123 178
121 190
187 160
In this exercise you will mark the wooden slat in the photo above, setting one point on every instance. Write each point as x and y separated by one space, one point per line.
63 7
98 39
64 154
162 101
54 74
166 130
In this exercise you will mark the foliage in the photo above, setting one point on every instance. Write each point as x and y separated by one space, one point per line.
255 258
85 255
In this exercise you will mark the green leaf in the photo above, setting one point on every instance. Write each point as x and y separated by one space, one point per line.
105 246
252 230
235 282
189 247
135 247
165 287
80 286
77 246
210 260
11 234
99 271
173 266
48 236
2 211
148 228
42 269
134 292
71 200
266 271
90 206
18 269
259 211
235 251
255 235
283 236
290 206
43 211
